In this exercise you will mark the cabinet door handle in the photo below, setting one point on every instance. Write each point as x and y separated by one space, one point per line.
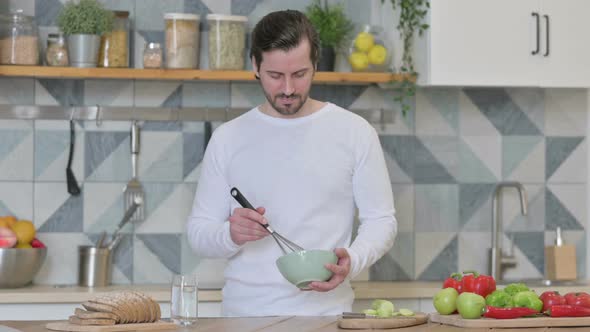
546 35
537 19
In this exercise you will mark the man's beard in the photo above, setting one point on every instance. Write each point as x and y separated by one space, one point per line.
297 103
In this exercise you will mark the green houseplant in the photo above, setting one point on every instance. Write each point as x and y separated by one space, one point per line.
83 23
333 28
411 20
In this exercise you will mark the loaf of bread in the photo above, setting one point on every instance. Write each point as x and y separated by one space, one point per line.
117 308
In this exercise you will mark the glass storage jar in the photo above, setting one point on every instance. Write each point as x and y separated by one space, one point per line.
370 51
152 56
227 41
19 40
56 53
182 40
114 45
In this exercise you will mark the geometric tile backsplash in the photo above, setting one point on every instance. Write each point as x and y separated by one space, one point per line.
444 159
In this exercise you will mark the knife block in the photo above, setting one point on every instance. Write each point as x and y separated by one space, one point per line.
560 262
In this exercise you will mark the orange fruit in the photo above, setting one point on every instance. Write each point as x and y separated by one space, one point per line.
24 230
7 221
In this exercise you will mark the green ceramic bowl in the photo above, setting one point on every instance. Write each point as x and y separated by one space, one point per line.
302 267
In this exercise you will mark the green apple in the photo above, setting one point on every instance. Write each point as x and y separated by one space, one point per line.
445 301
470 305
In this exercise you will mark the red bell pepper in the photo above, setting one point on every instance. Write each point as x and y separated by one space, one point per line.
508 313
474 282
551 298
454 281
581 299
566 310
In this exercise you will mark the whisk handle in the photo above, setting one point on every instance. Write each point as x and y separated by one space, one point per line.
237 195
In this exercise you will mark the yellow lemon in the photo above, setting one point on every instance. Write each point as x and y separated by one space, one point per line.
24 245
24 230
364 41
358 61
377 55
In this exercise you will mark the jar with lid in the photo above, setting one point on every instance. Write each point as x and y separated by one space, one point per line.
19 40
370 51
182 40
114 45
56 53
152 56
227 41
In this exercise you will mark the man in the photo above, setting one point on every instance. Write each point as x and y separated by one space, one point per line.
307 164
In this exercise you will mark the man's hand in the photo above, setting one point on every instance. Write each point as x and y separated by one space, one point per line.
245 225
340 270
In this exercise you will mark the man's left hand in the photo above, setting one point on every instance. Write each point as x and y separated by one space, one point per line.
340 270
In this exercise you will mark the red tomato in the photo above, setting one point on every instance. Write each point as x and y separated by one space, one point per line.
581 299
551 298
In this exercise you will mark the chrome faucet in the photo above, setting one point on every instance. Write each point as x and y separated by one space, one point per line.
498 259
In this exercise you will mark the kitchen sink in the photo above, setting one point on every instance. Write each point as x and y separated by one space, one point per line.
546 282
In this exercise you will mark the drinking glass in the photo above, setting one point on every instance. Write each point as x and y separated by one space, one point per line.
184 299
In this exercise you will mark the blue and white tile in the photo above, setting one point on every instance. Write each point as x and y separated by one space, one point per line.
45 11
16 199
246 95
513 220
193 150
264 7
65 92
445 150
126 5
437 208
558 149
529 253
17 91
480 159
523 158
108 92
153 94
16 149
52 145
103 204
531 102
473 251
436 255
160 255
399 157
573 199
471 120
160 159
398 263
223 7
205 94
61 263
56 210
373 99
427 169
43 97
569 169
107 156
100 125
149 14
403 197
189 260
475 206
168 207
566 112
403 124
437 112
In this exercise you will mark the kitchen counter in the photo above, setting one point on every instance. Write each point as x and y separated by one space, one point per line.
364 290
279 323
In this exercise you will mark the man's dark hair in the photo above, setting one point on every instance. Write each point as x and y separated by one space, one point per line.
283 30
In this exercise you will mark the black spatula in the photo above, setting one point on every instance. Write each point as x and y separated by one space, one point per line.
73 187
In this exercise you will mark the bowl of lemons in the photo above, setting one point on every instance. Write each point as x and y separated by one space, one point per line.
369 51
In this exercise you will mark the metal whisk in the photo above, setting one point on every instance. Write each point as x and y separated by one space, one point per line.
279 239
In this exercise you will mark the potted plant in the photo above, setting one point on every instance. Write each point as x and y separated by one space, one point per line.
333 28
83 23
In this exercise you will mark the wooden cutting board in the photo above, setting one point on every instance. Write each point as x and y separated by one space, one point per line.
382 323
456 320
66 326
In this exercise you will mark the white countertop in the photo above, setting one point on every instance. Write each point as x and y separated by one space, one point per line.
363 290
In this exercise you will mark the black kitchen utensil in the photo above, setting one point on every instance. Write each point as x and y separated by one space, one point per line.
73 187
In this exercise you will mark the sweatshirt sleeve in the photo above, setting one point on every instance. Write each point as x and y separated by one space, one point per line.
374 199
208 225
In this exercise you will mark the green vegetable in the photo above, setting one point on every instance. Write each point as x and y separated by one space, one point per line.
370 312
514 288
406 312
499 298
330 22
85 17
528 299
384 308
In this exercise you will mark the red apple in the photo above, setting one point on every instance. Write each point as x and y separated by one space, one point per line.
36 243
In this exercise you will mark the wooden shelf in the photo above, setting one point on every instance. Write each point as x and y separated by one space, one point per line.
181 74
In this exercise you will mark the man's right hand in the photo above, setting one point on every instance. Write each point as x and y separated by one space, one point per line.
245 225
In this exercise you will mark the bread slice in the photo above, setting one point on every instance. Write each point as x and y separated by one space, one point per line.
148 305
94 306
92 321
83 314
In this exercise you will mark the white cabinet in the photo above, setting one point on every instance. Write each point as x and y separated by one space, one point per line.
505 43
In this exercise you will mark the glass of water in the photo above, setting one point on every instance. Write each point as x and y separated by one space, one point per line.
184 299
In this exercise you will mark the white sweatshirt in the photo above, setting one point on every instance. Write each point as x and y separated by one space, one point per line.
309 173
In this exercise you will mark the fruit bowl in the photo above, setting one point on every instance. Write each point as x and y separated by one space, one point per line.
18 266
302 267
369 51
